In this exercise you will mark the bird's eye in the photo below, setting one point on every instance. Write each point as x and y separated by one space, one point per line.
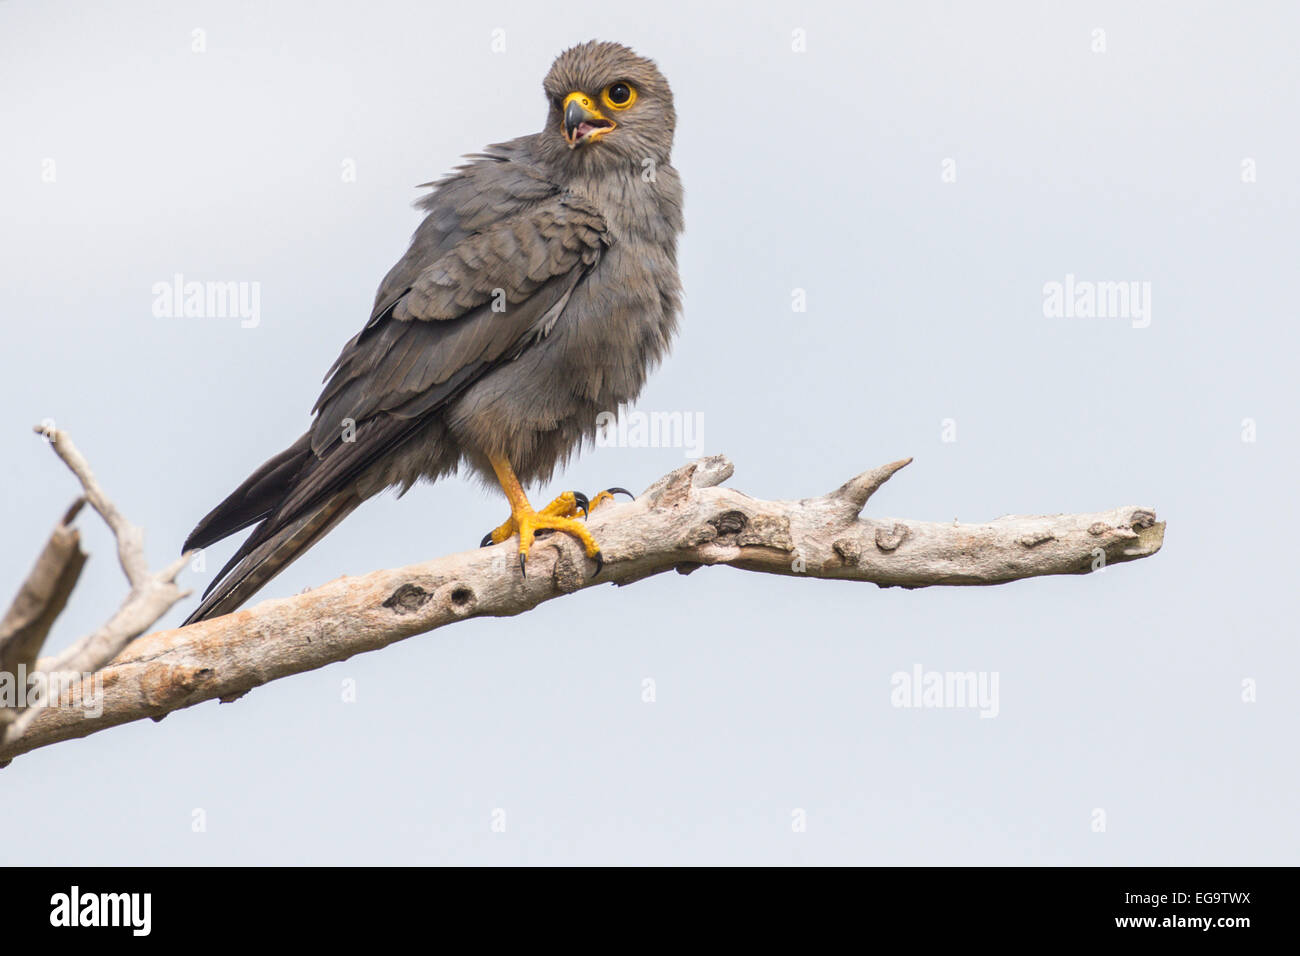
619 96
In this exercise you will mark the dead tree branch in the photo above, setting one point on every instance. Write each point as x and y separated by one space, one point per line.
682 522
40 600
46 591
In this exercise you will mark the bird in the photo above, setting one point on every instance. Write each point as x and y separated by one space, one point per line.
540 289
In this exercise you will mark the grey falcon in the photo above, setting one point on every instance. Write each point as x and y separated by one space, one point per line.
539 290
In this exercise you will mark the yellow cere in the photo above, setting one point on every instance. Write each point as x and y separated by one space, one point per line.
584 101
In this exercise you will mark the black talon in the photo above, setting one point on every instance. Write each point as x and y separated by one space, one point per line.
522 570
582 502
621 491
600 563
487 541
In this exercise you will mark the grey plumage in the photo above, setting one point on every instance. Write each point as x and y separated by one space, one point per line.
539 291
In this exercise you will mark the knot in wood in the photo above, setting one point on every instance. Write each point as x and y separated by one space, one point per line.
729 522
1141 519
848 550
891 539
407 599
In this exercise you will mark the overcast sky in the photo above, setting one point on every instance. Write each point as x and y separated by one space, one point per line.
922 172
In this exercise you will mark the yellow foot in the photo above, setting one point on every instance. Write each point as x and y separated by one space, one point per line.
568 505
560 515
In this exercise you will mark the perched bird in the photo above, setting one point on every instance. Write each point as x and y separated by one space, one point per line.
539 291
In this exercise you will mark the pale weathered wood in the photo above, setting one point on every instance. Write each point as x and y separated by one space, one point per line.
150 597
683 521
39 601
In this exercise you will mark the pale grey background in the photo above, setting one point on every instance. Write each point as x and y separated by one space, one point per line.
819 171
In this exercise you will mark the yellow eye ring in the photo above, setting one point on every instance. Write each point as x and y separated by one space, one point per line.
618 96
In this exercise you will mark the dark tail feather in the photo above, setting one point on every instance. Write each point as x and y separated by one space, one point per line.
266 553
297 497
256 499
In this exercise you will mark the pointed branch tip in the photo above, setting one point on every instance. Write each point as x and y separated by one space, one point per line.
857 490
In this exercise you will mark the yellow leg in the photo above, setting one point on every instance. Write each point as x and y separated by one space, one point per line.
526 522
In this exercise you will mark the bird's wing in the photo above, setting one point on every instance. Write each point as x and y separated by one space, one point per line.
478 303
498 184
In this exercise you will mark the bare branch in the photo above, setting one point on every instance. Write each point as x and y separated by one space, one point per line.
150 597
683 521
40 600
130 539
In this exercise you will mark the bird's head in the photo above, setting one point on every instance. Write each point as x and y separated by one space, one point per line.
607 106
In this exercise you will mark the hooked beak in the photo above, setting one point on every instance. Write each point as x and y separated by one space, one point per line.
583 123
